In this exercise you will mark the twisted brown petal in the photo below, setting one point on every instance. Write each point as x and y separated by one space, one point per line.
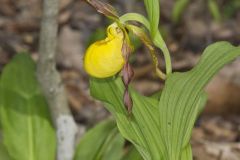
127 75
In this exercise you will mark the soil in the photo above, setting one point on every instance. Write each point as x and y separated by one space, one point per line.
217 132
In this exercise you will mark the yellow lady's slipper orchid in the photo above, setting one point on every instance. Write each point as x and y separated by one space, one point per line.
104 58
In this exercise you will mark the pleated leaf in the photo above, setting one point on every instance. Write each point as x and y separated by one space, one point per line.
160 127
139 128
3 152
103 142
132 154
184 91
27 130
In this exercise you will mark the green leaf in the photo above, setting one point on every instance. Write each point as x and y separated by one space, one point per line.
214 9
132 154
161 128
140 128
103 142
187 152
180 101
152 7
3 152
178 9
28 133
114 149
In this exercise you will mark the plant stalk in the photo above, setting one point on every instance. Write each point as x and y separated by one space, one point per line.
51 83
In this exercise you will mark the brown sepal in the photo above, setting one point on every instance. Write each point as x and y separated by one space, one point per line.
104 8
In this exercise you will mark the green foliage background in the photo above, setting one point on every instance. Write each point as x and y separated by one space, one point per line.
160 128
26 125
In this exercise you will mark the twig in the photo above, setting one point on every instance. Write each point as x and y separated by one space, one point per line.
220 155
51 83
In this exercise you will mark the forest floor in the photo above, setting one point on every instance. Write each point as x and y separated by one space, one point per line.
217 132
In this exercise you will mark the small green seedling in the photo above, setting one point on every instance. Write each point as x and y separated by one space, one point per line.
181 5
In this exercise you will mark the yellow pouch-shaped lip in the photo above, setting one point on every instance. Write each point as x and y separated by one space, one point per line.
104 58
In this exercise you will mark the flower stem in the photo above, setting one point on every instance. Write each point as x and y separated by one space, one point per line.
157 40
